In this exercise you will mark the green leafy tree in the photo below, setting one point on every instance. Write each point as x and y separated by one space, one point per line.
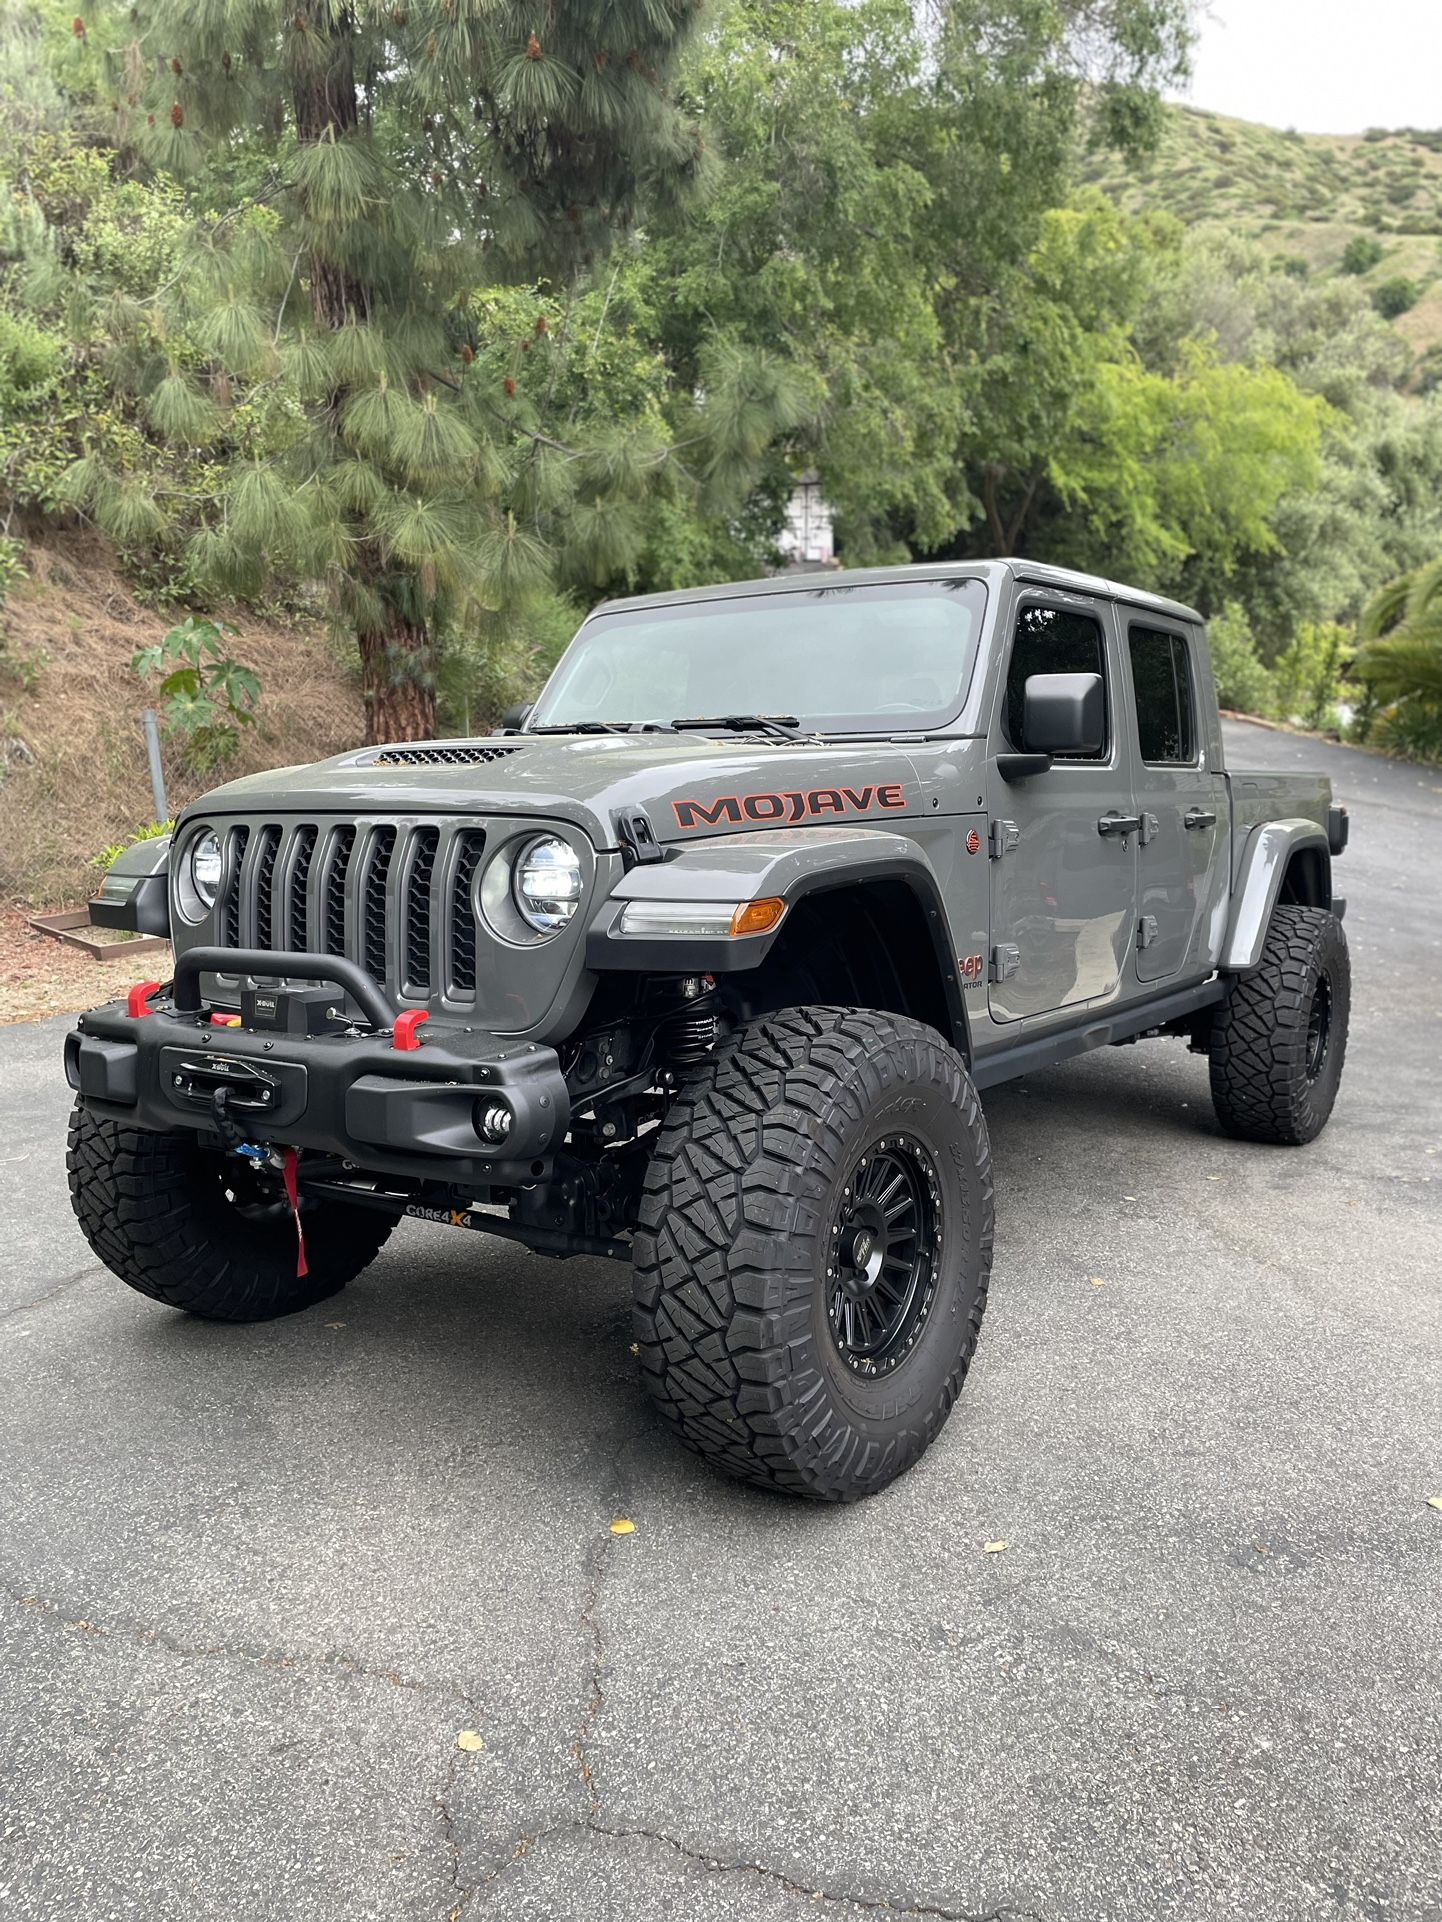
1082 454
1244 684
1375 507
881 171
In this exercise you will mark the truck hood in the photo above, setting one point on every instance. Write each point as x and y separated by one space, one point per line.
689 785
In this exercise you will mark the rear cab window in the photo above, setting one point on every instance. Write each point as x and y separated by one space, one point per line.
1162 683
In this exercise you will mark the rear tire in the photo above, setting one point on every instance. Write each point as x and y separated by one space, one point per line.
1280 1039
814 1250
181 1225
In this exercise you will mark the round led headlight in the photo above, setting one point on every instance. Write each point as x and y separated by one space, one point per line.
198 879
205 869
547 883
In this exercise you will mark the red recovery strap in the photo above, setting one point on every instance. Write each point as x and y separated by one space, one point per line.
288 1160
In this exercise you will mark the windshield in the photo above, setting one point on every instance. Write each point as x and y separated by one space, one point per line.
891 656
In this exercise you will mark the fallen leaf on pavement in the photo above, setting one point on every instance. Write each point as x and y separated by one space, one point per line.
469 1741
1098 1281
623 1527
994 1548
1434 1501
335 1324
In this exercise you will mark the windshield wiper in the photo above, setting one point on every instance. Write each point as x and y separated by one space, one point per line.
781 727
583 727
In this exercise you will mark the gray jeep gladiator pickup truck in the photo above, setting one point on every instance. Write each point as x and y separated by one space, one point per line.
700 965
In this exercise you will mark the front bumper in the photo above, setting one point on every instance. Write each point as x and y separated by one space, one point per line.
356 1095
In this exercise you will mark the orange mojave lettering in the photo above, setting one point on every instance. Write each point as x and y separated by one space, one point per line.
798 804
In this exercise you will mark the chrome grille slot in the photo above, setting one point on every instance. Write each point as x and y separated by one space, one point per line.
372 944
461 934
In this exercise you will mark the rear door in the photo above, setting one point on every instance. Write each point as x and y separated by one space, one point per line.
1180 797
1063 888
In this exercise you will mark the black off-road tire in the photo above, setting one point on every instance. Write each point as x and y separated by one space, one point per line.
1280 1039
734 1275
154 1208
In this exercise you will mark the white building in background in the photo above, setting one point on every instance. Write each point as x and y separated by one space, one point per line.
807 540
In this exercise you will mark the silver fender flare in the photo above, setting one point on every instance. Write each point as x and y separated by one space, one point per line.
1268 853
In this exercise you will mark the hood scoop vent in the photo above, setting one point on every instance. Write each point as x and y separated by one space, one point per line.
440 755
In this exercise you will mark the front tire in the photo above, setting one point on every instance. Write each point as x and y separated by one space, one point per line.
814 1250
1280 1039
191 1228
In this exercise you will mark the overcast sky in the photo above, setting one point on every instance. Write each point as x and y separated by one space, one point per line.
1321 66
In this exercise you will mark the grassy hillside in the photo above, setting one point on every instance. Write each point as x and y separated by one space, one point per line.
1304 198
73 772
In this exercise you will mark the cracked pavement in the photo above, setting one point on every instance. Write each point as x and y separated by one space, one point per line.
253 1582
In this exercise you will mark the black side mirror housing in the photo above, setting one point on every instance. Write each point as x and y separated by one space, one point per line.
1064 714
515 717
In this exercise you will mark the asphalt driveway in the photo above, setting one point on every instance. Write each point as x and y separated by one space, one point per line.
254 1582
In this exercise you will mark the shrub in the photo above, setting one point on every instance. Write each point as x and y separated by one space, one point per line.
150 831
1395 296
1308 674
208 696
1244 683
12 564
1361 254
1411 730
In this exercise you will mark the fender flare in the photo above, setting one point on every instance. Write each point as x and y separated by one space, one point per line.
789 863
1265 859
135 893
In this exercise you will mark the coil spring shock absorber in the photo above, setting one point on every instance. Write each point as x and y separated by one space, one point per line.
691 1028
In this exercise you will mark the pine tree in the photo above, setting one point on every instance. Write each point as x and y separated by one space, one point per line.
382 162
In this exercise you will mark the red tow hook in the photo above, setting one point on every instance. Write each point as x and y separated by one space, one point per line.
136 1002
403 1035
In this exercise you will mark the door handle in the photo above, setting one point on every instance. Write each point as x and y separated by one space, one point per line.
1199 818
1122 824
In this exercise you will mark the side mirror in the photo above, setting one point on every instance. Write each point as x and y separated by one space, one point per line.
1064 714
515 717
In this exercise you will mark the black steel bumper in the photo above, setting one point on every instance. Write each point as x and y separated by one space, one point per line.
394 1109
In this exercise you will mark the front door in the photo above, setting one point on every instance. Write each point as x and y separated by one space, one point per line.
1180 800
1063 886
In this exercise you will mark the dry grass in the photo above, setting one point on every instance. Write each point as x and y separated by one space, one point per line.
73 771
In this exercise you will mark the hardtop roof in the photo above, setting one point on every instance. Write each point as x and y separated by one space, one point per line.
1025 572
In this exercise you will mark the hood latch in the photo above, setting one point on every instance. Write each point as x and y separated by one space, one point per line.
637 837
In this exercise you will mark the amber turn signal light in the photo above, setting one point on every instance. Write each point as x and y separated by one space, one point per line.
758 917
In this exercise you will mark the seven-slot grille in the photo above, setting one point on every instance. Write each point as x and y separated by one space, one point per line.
395 898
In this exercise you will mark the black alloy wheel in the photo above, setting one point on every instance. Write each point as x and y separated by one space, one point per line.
885 1245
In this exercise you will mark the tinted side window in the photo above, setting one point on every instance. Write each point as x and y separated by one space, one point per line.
1050 640
1166 724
